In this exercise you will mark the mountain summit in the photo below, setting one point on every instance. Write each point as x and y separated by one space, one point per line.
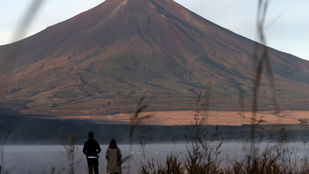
103 60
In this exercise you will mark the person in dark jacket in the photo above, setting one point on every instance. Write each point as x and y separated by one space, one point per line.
91 150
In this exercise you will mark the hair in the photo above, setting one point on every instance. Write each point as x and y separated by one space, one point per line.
113 144
90 135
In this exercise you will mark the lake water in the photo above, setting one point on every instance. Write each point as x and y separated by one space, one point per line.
40 159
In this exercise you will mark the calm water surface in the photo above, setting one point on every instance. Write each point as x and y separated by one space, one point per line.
40 159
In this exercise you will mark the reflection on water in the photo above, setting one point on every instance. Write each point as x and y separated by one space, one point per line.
41 159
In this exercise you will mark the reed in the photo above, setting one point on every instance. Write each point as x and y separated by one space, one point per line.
70 153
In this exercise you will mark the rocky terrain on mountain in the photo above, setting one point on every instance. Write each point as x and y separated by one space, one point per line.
104 60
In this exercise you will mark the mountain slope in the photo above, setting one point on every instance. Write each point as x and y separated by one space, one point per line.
103 60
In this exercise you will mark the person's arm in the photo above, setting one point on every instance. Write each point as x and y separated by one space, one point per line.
120 154
85 149
98 148
106 154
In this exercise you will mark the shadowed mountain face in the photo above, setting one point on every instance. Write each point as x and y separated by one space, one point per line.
103 60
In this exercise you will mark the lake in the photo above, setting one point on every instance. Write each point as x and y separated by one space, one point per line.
40 159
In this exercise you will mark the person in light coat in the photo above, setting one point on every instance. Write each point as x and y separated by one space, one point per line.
113 156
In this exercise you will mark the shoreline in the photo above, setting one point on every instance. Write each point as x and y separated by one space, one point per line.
181 118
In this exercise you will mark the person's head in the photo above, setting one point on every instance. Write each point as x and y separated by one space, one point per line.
90 135
113 144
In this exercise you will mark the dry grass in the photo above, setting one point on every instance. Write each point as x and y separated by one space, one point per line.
172 118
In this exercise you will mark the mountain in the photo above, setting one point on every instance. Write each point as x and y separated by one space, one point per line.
103 60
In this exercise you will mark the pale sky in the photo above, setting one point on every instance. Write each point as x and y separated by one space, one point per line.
287 31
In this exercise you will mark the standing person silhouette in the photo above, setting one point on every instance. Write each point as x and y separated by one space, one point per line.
91 150
113 156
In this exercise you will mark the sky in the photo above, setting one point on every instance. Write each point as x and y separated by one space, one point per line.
287 20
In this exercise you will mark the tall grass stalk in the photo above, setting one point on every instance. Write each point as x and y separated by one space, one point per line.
261 56
14 50
136 122
70 153
3 138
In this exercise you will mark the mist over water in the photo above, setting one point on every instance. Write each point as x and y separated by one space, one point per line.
40 159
